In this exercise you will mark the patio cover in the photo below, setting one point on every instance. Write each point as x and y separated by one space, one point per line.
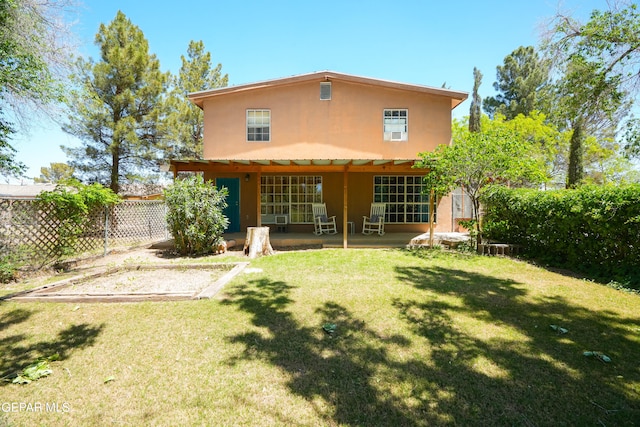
293 165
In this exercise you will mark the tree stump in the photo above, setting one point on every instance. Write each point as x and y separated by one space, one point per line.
257 242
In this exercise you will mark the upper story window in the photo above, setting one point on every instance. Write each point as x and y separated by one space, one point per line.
258 125
396 124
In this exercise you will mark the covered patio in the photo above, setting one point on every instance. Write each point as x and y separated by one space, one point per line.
257 195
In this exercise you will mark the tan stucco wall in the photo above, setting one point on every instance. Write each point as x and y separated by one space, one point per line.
349 126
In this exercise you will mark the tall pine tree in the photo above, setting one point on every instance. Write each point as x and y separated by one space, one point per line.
184 122
116 110
522 83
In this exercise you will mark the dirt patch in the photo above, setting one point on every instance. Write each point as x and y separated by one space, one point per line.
158 279
151 283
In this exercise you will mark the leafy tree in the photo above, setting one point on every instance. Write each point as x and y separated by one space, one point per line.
9 166
549 144
598 61
475 111
33 57
496 155
604 164
195 215
55 173
521 83
631 138
184 123
117 107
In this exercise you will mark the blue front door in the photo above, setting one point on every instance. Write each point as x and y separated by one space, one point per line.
232 212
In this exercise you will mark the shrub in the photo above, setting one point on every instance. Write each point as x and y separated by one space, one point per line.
8 268
594 230
472 243
195 215
68 207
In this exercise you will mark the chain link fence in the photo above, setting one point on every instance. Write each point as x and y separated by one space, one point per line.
29 233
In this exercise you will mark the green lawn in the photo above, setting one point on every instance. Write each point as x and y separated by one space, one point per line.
421 338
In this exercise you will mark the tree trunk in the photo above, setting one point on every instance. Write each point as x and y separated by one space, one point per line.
257 242
115 167
476 213
431 212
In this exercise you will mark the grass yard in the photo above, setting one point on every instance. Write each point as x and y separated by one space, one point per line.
421 339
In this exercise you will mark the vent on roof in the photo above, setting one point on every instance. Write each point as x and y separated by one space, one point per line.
325 91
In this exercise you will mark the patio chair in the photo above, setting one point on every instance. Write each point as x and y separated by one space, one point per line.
375 221
323 223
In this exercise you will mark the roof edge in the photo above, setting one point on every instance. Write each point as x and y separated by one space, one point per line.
457 97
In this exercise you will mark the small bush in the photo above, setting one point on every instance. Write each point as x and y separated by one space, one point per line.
8 269
471 244
195 215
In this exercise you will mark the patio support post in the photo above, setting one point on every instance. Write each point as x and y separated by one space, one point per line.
259 199
345 210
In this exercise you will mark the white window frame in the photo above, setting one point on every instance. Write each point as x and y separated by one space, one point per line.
258 122
290 195
393 128
405 196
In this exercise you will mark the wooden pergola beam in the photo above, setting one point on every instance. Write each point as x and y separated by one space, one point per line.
292 168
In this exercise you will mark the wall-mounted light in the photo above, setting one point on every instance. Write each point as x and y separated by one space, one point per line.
246 177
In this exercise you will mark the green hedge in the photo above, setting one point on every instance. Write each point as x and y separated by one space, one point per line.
594 230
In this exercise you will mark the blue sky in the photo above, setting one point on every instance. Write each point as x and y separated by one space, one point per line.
423 42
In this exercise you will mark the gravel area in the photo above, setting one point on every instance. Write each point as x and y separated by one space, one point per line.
144 273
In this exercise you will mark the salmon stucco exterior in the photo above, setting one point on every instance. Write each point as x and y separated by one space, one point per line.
325 137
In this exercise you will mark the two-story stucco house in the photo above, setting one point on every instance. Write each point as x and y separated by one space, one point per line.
281 145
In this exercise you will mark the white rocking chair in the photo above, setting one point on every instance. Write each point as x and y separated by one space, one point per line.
323 223
375 221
